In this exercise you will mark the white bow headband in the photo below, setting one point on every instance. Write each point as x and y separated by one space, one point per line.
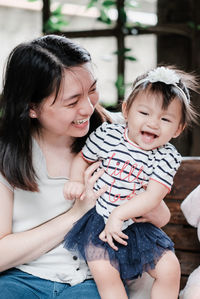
165 75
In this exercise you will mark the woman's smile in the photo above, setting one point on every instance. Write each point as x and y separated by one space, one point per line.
81 124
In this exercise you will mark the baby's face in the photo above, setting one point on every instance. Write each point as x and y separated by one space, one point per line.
149 125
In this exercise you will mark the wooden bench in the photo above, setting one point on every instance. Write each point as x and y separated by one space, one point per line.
184 236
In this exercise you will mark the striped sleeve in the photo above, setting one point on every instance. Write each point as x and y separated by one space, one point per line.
94 143
167 162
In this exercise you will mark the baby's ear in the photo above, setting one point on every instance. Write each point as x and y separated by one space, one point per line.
124 110
180 129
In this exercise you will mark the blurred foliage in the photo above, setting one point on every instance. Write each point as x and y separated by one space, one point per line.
194 26
120 85
105 7
56 20
122 52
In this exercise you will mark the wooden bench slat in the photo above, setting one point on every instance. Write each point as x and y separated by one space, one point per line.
185 238
177 216
188 260
186 179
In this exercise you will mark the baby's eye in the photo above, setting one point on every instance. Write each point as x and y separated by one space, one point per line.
165 119
143 113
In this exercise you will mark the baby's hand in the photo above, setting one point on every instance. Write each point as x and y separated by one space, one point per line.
74 190
113 231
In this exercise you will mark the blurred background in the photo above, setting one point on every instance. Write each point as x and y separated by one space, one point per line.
124 37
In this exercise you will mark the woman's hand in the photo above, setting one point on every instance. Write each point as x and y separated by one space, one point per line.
113 230
90 196
159 216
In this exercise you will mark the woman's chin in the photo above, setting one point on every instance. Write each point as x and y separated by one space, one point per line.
80 131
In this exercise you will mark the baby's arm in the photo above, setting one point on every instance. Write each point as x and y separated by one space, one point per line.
137 206
75 187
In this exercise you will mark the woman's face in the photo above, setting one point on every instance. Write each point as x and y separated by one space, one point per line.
69 115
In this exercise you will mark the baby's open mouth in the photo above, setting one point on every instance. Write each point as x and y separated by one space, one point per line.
148 137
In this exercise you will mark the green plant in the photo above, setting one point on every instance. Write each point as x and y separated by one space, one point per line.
193 26
105 6
56 20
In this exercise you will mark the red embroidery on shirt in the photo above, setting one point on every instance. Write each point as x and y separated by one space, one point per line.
118 196
130 177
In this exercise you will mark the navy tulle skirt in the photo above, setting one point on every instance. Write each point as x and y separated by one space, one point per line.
146 244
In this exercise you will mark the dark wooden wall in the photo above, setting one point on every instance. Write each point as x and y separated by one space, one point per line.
179 44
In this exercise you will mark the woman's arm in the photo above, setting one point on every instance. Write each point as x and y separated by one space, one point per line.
159 216
19 248
22 247
142 203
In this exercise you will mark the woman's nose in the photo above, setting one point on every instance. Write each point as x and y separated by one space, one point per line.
86 107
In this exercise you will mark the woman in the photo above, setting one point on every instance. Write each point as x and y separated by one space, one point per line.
48 103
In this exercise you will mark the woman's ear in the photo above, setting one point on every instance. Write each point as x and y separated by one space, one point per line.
124 110
32 113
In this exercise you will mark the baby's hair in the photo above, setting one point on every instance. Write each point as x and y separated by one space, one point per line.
179 89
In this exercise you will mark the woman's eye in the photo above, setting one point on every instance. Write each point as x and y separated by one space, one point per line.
72 104
92 90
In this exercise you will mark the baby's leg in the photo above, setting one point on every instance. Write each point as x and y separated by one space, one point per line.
167 277
107 278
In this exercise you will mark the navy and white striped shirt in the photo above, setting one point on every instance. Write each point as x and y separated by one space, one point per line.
128 168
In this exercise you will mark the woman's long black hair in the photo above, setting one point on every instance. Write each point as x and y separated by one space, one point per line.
33 72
